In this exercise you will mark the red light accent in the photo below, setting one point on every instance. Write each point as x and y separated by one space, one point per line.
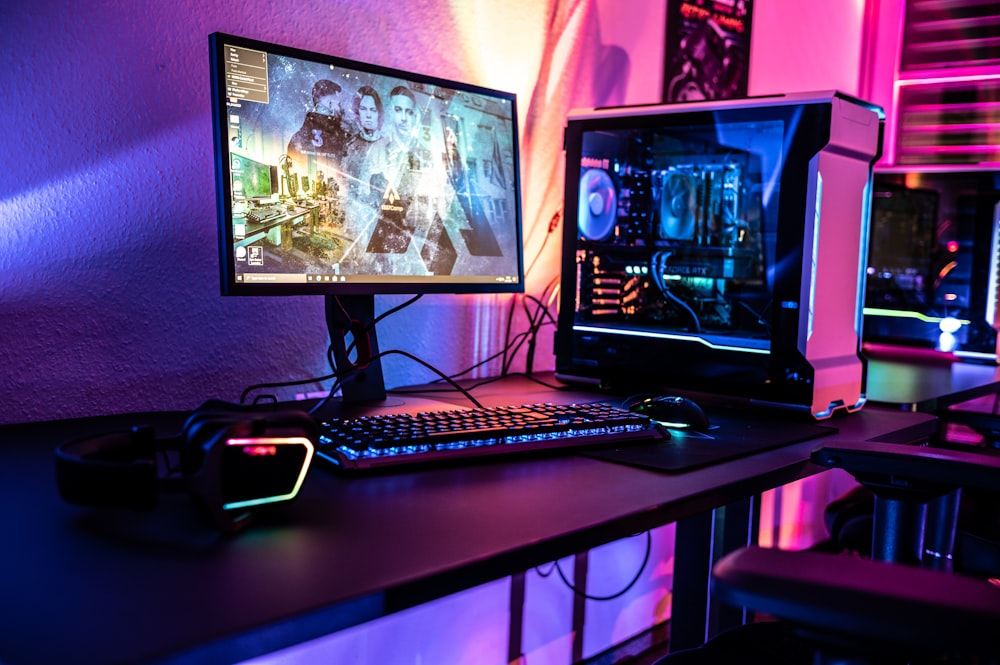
260 451
952 246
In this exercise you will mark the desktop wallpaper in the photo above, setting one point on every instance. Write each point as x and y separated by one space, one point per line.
338 173
109 286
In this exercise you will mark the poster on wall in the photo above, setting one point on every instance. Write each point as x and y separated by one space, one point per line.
707 52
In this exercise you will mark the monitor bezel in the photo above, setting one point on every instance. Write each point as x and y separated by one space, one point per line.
404 285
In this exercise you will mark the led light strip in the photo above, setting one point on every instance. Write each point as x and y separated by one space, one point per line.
902 314
679 338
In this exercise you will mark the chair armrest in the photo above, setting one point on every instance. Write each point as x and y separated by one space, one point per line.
893 464
864 601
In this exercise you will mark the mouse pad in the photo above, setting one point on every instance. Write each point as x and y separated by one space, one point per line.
731 435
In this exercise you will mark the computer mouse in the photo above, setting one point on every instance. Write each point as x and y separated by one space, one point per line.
673 411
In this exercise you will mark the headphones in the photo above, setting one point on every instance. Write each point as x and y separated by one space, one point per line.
230 460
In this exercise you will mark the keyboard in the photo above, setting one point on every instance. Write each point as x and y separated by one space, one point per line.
402 440
264 213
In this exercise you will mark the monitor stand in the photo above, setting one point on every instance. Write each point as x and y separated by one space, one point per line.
363 390
353 316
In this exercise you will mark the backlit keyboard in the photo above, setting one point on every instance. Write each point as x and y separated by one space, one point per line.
380 441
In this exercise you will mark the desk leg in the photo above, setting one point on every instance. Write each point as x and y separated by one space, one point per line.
581 562
515 636
700 542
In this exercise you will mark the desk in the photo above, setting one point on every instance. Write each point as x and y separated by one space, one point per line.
255 231
939 388
928 386
87 586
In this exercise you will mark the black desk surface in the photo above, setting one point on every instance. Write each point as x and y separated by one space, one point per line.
87 586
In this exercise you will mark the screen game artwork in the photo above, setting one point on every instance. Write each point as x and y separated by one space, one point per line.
339 174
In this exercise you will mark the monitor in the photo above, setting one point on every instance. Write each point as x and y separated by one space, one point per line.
253 182
345 179
932 261
718 247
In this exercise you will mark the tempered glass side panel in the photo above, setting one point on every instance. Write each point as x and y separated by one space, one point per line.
677 226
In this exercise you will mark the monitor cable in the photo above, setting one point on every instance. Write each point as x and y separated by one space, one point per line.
366 330
541 316
611 596
553 225
455 386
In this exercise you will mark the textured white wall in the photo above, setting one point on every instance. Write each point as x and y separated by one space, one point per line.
108 287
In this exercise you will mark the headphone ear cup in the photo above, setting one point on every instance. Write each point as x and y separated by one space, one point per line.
225 483
111 471
203 430
200 433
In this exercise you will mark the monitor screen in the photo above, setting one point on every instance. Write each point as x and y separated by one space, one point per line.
253 182
339 177
932 260
705 246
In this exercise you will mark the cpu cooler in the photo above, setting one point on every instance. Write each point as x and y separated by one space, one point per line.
677 207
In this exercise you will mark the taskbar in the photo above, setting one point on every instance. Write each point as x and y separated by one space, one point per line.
311 278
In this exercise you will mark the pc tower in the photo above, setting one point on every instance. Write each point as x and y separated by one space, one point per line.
720 247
